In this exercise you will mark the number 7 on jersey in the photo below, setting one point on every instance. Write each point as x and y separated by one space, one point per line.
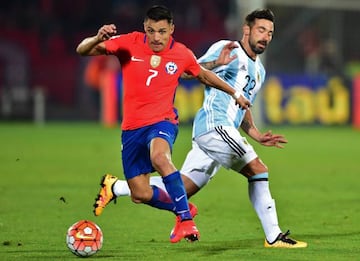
153 73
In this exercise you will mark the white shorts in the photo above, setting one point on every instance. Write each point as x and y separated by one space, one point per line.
223 146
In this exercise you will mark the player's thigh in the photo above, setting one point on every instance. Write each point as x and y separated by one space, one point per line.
135 152
198 166
226 146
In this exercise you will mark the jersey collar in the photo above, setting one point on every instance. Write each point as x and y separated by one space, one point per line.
246 51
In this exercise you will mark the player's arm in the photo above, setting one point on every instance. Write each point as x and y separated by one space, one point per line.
209 78
223 59
267 138
94 45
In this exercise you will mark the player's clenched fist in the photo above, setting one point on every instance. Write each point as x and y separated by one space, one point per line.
106 32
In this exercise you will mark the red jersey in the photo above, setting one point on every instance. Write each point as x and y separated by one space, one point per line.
149 78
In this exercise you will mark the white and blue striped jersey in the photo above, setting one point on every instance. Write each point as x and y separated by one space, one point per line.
244 74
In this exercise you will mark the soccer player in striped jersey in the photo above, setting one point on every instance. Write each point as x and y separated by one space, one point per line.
152 63
216 139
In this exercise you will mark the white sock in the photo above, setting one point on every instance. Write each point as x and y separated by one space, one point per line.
121 188
264 206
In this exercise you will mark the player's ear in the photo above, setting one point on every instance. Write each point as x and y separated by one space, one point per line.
172 28
246 29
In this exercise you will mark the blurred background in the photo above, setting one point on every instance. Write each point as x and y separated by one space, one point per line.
313 62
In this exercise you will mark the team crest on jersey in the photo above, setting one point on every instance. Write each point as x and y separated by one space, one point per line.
155 61
171 68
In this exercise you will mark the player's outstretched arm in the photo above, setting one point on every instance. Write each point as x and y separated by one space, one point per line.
265 139
94 45
209 78
223 59
270 139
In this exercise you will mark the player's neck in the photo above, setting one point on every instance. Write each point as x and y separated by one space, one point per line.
245 45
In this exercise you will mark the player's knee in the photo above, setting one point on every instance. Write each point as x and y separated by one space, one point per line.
254 167
258 170
259 166
159 161
141 196
263 168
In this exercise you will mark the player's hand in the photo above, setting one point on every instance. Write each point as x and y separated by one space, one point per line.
275 140
224 57
106 32
241 100
243 103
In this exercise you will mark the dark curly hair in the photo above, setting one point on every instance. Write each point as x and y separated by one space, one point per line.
259 14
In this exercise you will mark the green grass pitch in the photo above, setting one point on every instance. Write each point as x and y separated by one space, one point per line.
50 176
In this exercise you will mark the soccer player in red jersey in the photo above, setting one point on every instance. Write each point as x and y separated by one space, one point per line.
152 63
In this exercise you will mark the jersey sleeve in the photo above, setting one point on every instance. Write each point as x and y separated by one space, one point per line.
193 67
119 42
112 45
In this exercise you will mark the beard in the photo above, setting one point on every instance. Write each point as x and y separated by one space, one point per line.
258 50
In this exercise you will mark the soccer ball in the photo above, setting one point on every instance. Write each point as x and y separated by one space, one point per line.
84 238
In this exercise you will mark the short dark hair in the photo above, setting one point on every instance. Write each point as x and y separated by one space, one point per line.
158 13
259 14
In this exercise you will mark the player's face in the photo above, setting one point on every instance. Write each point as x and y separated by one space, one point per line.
158 33
260 35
